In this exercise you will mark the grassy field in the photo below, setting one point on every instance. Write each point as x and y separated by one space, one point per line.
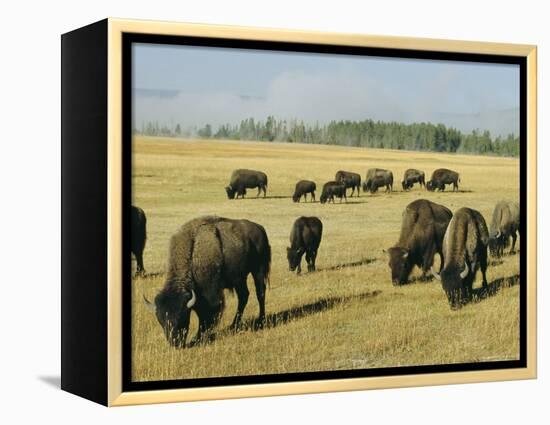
345 315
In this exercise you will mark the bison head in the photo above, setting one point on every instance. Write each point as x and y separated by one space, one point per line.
296 197
324 198
294 257
230 192
173 310
454 282
497 243
400 264
430 185
366 186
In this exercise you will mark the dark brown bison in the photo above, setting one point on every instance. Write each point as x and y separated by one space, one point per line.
377 177
377 182
332 189
442 177
411 177
138 237
422 230
505 224
305 237
207 255
303 187
349 179
464 253
246 179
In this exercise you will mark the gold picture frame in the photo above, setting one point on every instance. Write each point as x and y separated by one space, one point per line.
115 30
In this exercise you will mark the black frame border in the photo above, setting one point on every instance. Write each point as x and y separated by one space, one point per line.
129 38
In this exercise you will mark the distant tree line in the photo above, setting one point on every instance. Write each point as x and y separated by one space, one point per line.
366 133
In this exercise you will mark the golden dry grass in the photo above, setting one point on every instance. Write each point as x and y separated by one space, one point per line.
347 314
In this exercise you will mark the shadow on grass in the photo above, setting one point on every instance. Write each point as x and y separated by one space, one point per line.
282 317
493 288
450 191
419 279
346 203
252 198
146 275
340 266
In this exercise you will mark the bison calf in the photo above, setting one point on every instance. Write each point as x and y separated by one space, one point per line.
207 255
305 237
138 237
246 179
505 224
332 189
303 187
464 253
422 230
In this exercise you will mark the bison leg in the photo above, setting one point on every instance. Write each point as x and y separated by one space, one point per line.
140 270
483 266
312 196
242 295
427 262
265 191
310 258
208 319
259 191
260 283
514 238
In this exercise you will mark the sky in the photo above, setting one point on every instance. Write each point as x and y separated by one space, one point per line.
198 85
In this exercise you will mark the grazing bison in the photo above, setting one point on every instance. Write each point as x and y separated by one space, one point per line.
349 179
207 255
138 237
332 189
377 182
464 253
411 177
246 179
305 237
303 187
505 224
442 177
376 176
422 230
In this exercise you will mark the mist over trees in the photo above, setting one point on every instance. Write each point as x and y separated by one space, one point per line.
365 133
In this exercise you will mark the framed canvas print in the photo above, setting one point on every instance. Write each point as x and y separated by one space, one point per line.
251 212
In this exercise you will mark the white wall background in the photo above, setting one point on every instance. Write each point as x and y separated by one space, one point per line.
30 199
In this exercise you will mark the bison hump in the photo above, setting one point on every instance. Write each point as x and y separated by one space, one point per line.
207 259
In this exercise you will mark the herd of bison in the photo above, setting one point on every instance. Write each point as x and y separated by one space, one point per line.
209 254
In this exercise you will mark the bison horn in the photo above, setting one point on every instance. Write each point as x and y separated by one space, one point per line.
405 255
149 304
498 234
435 274
465 271
192 301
